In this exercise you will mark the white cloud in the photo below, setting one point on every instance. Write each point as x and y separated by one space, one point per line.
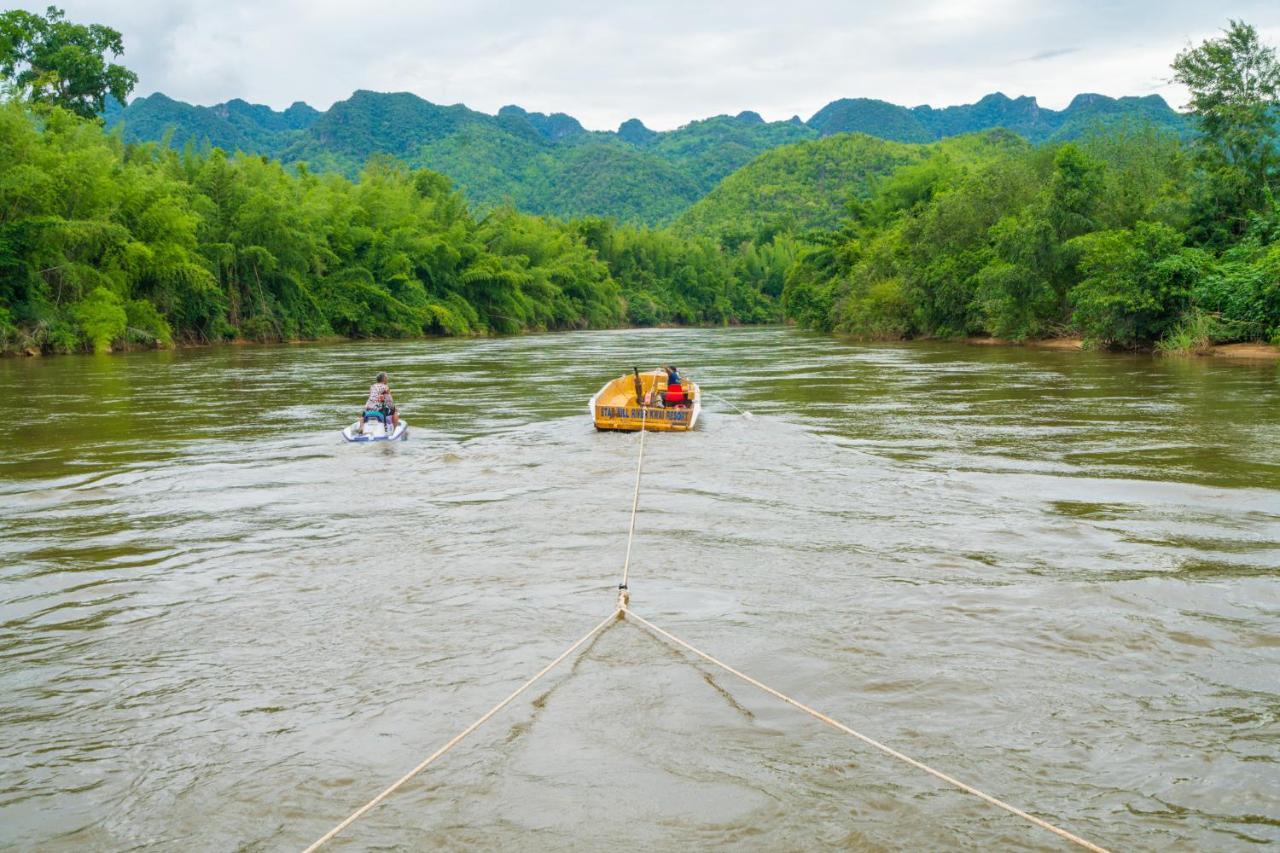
665 61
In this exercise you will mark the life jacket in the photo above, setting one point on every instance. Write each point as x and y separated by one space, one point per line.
674 394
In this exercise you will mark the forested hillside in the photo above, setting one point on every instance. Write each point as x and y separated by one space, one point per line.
105 244
1022 115
550 164
1127 237
814 184
234 126
1133 234
538 163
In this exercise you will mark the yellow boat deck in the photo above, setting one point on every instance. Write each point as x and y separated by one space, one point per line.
615 406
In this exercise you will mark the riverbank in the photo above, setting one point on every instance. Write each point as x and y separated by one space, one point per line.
1243 351
1046 343
1238 351
1254 352
34 352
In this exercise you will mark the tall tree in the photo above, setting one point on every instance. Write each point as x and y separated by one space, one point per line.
51 60
1235 95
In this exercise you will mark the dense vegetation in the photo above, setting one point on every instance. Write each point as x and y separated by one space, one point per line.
550 164
1021 115
1132 234
1127 237
814 184
547 164
50 60
103 243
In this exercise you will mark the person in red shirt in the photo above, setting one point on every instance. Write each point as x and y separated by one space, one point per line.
674 395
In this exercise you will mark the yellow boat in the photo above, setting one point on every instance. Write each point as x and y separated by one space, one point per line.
617 406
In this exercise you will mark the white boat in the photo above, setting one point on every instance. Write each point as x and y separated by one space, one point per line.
375 430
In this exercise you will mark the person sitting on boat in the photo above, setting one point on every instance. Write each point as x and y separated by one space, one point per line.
674 395
380 404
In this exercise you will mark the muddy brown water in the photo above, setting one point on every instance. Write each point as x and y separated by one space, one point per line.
1054 575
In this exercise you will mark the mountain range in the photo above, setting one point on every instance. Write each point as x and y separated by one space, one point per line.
551 164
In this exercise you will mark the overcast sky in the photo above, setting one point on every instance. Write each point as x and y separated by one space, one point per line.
664 61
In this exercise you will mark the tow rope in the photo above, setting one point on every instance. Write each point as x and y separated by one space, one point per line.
623 611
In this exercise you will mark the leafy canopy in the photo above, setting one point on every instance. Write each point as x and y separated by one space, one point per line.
105 244
50 60
1235 96
552 165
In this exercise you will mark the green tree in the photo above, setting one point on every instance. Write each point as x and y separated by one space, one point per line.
1242 292
1024 294
1235 94
50 60
101 316
1136 283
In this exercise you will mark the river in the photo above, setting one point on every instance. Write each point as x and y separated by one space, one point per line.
1055 576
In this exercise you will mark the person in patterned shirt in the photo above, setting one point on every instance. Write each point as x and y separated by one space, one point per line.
380 402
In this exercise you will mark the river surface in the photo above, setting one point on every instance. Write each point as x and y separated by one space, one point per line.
1055 576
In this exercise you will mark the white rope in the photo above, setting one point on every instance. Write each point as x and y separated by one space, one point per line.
360 812
622 611
739 409
635 501
1074 839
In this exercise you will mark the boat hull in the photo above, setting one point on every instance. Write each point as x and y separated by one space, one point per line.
614 407
375 432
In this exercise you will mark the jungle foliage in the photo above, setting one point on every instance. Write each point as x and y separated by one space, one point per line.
550 164
50 60
1128 236
1131 234
104 244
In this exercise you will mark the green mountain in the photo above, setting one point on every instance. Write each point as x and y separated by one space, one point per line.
609 177
553 128
799 186
234 126
812 184
1087 113
1023 116
549 163
713 148
875 118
